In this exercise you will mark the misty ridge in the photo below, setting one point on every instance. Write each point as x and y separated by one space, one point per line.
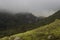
11 23
29 19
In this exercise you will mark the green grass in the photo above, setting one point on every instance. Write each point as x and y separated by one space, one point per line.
41 33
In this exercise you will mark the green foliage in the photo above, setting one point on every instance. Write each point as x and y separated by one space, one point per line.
16 23
47 32
48 28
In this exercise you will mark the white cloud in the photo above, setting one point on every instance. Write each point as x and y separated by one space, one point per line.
37 7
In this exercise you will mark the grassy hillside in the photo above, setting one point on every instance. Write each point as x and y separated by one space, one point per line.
48 32
11 24
15 23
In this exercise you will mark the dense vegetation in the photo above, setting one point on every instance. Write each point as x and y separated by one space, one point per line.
46 28
47 32
16 23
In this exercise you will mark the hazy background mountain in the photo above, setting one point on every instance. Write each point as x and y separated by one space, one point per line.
46 29
21 22
19 16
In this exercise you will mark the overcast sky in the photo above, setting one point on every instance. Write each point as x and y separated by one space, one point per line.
37 7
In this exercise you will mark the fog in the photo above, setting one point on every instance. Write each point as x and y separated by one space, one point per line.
37 7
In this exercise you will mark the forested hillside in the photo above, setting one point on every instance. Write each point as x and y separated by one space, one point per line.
39 29
47 32
16 23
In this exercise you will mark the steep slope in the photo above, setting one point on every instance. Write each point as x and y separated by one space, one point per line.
47 32
12 24
50 19
56 15
15 23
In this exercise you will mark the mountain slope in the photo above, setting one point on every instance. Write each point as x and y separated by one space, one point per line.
50 19
13 24
47 32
